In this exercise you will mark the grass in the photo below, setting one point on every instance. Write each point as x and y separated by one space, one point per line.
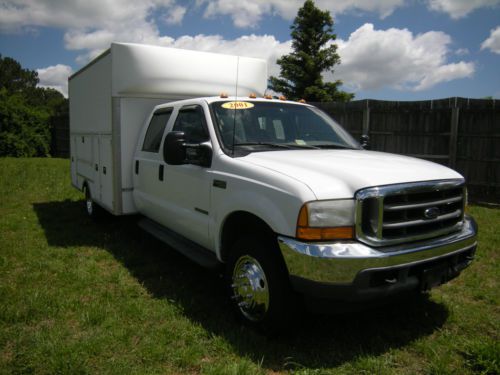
79 297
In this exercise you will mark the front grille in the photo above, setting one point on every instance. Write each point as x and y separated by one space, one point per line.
393 214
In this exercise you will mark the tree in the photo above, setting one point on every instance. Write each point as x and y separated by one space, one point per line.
14 78
313 53
24 130
27 112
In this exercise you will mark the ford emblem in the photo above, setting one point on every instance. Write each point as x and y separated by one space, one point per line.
432 213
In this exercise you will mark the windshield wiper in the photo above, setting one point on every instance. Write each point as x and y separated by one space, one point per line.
269 144
277 145
295 145
334 146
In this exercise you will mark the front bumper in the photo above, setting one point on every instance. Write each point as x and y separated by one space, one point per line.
353 269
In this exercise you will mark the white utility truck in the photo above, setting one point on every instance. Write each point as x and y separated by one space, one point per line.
272 191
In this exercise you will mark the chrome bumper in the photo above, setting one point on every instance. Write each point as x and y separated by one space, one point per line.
339 263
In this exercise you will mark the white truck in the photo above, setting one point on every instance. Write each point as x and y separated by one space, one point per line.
273 191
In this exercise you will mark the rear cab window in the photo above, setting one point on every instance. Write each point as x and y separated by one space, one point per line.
155 131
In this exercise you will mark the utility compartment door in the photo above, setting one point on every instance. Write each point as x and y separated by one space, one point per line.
106 171
74 158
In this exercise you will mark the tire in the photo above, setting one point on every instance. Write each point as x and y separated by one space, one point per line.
259 286
91 208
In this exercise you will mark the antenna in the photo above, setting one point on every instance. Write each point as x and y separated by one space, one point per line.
236 100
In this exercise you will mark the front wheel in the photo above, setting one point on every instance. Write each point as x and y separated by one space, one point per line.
259 285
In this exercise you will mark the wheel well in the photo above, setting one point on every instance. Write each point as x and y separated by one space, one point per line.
238 224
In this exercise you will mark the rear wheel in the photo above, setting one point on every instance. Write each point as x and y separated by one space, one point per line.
259 285
91 208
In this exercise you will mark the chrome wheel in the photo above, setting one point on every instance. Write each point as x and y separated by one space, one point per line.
250 288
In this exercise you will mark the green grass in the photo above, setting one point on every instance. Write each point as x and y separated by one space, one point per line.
80 297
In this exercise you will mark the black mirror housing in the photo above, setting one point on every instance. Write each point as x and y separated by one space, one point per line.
199 154
174 152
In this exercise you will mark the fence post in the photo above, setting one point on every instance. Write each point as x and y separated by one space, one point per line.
455 114
366 118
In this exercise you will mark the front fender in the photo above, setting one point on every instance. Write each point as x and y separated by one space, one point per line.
276 208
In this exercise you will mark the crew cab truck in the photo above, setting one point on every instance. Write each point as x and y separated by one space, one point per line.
273 191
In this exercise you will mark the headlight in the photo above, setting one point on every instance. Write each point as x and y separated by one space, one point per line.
326 220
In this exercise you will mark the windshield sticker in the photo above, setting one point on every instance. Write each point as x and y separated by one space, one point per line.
300 142
237 105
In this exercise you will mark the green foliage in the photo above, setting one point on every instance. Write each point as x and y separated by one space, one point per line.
27 112
14 78
24 130
314 52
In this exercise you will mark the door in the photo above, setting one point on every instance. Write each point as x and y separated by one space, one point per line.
149 168
187 187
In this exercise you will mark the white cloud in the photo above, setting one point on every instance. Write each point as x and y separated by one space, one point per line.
175 16
493 42
55 77
462 52
249 14
460 8
374 59
77 14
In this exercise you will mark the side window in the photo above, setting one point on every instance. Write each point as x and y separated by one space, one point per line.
155 130
191 121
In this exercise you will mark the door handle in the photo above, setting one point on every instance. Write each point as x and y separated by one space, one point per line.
160 172
137 167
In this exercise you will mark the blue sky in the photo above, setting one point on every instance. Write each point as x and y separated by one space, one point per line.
390 49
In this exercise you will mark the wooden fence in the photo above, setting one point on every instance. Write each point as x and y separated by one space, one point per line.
463 134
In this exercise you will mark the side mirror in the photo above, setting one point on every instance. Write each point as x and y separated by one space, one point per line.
174 152
365 141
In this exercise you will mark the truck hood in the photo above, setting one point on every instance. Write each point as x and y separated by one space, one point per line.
340 173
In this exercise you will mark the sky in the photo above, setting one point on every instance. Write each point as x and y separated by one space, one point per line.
389 49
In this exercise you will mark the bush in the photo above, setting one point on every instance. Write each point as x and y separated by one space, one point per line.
24 130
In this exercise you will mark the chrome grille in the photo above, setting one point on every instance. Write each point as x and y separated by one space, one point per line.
393 214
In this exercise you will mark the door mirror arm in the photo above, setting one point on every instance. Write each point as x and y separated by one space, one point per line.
365 141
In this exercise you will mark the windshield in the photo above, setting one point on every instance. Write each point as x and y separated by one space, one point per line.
256 126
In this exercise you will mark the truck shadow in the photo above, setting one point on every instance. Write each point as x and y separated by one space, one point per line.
318 341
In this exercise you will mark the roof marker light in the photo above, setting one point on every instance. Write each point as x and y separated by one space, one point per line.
223 95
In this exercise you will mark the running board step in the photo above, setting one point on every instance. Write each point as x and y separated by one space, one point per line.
191 250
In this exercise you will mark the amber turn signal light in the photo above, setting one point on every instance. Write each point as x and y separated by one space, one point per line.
315 234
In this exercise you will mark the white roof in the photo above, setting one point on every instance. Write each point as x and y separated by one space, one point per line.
144 70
